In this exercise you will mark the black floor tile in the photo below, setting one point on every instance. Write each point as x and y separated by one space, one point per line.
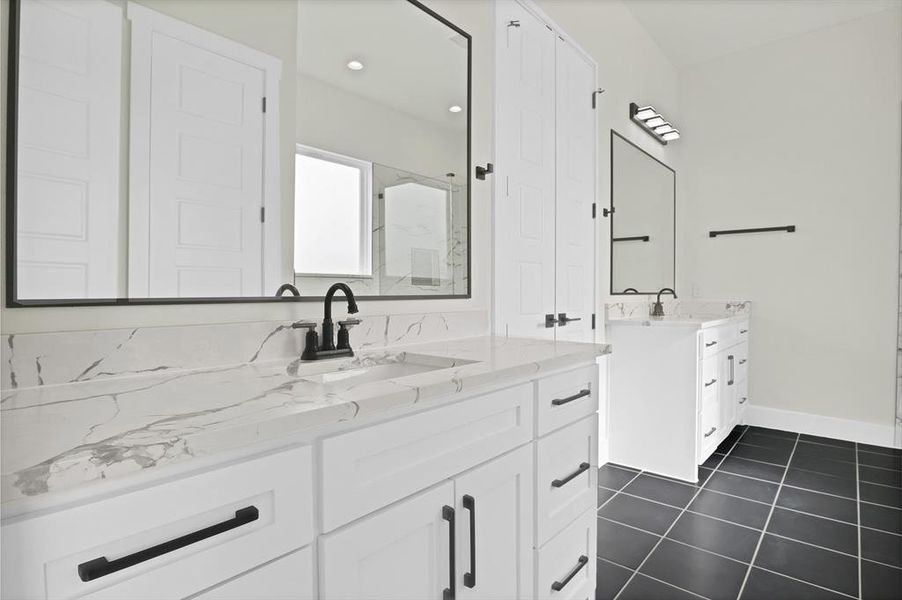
639 513
695 570
623 545
880 494
703 475
750 468
888 477
661 490
614 478
881 547
887 461
646 588
841 537
609 579
719 537
762 491
769 455
818 482
821 451
880 450
728 441
729 508
604 495
772 432
881 517
713 461
826 441
769 441
825 466
819 504
879 582
764 585
815 565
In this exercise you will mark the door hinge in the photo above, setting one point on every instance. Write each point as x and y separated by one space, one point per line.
264 103
263 214
597 92
606 213
593 320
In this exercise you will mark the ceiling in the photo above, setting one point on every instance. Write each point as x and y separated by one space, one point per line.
695 31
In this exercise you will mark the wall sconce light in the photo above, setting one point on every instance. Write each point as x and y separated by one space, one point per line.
653 124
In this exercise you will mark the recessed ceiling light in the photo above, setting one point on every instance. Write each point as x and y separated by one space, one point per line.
455 109
355 65
655 122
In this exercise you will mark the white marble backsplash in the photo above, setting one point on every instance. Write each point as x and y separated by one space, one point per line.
641 306
38 359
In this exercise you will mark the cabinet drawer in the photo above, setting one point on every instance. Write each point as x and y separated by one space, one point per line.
709 383
372 467
565 398
264 508
742 399
566 564
566 476
708 432
743 331
288 578
741 353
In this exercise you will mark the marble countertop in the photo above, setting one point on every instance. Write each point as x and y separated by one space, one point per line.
696 321
58 437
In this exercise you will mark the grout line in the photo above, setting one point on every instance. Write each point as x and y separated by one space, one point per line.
882 531
858 509
661 539
633 572
766 523
882 564
805 582
803 542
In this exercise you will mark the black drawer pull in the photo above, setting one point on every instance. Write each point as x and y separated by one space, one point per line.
708 345
710 431
743 400
470 504
99 567
710 383
742 361
741 331
576 396
449 592
562 482
582 562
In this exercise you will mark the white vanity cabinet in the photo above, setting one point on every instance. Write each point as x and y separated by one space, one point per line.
677 390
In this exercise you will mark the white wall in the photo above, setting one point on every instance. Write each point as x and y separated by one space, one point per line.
804 131
474 17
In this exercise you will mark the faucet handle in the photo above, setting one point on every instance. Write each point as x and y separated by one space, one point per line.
348 323
309 325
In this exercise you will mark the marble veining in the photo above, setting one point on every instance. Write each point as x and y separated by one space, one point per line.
640 306
55 437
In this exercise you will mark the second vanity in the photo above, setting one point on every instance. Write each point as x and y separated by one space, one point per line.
679 384
465 469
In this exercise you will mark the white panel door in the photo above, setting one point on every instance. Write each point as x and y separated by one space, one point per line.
206 174
68 149
575 193
524 198
495 504
400 553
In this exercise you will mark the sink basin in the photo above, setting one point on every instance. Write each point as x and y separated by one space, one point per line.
368 369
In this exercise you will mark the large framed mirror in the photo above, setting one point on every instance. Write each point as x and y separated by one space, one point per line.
219 151
643 220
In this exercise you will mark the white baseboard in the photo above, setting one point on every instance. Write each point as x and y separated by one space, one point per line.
842 429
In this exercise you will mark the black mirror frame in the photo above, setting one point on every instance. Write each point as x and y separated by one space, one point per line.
12 115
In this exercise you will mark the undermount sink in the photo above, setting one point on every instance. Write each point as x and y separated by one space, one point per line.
369 369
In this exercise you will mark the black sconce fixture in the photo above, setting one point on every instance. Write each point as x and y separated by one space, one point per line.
653 124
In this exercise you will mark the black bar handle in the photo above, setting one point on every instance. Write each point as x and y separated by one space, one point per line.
99 567
786 228
732 360
580 394
562 482
449 592
632 238
580 563
470 504
709 344
712 382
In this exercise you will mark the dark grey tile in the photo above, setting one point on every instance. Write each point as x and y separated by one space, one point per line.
752 489
661 490
750 468
879 582
881 517
703 475
713 461
819 504
623 545
881 547
639 513
720 537
821 451
815 565
646 588
614 478
604 495
609 579
825 466
882 476
819 482
887 461
768 441
826 441
880 450
737 510
772 432
880 494
841 537
768 455
764 585
695 570
624 467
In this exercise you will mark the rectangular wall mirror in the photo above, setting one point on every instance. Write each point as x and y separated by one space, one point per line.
213 150
643 220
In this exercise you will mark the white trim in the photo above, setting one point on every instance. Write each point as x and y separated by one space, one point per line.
842 429
144 23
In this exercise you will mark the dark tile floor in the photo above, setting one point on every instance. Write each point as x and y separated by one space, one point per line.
775 516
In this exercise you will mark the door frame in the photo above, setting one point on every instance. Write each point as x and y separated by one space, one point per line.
145 23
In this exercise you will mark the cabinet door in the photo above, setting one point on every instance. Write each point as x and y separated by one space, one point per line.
401 552
728 396
494 528
288 578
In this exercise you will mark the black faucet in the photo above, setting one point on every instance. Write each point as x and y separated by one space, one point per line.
658 309
313 350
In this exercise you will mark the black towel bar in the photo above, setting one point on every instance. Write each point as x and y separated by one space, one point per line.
786 228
